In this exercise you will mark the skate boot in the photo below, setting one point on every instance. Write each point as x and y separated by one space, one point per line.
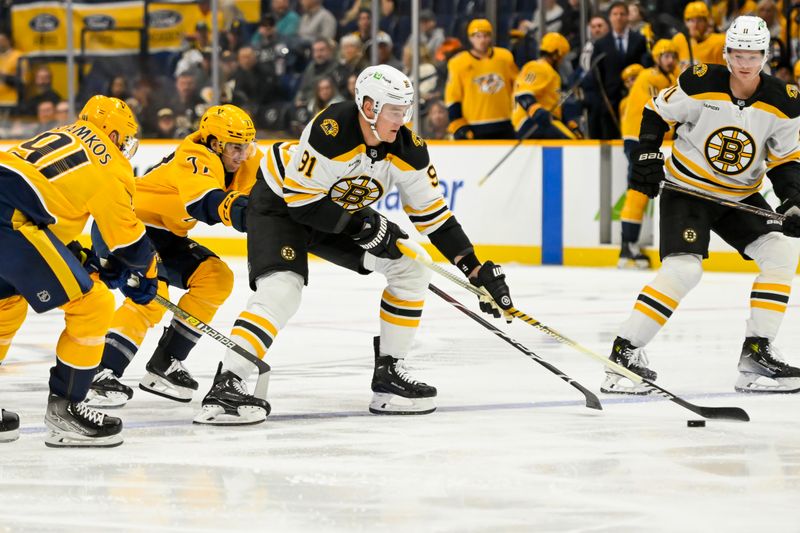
107 391
635 360
76 425
395 391
631 257
9 426
762 369
229 404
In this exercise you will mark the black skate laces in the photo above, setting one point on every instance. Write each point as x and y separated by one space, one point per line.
93 416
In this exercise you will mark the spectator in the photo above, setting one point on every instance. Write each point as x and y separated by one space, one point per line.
322 65
351 59
431 36
266 45
9 82
118 88
325 94
287 21
622 47
41 91
185 101
62 117
234 37
598 27
479 87
429 87
435 124
256 84
166 127
364 25
553 20
316 22
350 94
352 14
385 51
768 10
45 116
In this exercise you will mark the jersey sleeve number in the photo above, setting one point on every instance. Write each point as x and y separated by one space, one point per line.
307 164
47 143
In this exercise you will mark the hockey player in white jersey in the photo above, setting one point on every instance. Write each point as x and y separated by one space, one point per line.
315 197
735 125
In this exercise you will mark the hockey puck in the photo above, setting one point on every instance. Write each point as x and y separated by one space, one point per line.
696 423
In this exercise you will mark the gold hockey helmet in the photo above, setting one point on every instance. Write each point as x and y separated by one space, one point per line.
695 10
479 25
113 115
554 42
631 71
227 124
663 46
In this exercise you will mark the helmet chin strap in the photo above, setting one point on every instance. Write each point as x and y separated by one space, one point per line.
371 123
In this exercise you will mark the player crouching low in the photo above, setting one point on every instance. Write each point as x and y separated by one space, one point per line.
734 126
315 198
206 179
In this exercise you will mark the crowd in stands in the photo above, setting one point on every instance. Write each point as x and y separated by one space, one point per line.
304 55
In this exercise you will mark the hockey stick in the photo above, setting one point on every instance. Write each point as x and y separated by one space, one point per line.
416 252
531 131
592 402
727 203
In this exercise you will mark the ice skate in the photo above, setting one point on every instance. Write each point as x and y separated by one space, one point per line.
395 392
229 404
635 360
107 391
9 426
76 425
631 257
168 377
762 369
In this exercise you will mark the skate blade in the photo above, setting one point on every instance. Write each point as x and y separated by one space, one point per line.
617 384
391 404
155 384
757 384
215 415
65 439
9 436
106 400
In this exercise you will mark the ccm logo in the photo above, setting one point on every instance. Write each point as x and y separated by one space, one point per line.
651 155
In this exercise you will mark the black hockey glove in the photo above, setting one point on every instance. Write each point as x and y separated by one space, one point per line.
647 170
87 257
791 208
113 272
139 288
491 278
378 235
463 133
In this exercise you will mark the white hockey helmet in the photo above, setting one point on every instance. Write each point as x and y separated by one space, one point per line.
384 85
747 33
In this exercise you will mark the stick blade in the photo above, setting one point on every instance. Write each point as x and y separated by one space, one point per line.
724 413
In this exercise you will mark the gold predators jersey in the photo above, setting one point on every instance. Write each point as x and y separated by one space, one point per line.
189 185
540 79
648 84
707 51
479 89
724 145
76 172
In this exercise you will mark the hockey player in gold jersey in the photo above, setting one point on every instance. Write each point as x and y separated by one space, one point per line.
51 184
480 82
537 92
647 85
206 179
315 198
706 45
629 75
736 125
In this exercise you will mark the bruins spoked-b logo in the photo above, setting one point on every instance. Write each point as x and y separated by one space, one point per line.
689 235
356 193
730 150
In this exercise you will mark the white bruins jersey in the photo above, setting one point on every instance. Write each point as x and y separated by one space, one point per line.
331 160
725 145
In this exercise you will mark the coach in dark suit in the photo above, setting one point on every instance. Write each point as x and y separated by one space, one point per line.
622 47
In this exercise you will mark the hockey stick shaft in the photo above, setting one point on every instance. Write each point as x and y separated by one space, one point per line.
592 402
416 252
727 203
530 132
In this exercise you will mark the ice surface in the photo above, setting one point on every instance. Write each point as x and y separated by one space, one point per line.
511 447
